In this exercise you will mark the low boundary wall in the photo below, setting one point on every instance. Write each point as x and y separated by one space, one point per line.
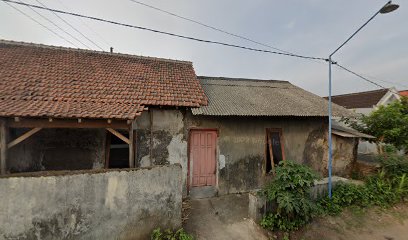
107 204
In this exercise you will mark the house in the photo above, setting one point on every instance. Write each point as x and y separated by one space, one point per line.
257 124
404 93
71 109
68 109
366 102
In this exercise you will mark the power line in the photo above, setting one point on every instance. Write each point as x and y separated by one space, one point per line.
49 29
389 82
364 78
87 26
166 33
211 27
71 26
56 25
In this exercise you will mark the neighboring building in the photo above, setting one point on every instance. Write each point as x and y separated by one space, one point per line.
257 123
80 107
366 102
404 93
68 109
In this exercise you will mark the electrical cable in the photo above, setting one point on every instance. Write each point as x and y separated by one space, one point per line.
56 25
87 26
39 23
66 22
209 26
166 33
364 78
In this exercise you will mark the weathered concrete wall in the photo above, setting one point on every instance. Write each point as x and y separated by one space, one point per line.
241 143
91 204
344 152
59 149
161 139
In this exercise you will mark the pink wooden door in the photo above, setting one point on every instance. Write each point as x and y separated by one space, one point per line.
202 155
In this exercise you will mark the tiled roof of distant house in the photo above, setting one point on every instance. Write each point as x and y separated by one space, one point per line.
360 100
404 93
249 97
46 81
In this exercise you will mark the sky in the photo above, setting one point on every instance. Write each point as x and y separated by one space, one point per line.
306 27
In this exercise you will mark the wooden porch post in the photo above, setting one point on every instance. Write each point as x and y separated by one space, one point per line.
132 145
3 146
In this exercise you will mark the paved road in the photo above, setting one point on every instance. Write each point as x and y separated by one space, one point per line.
222 218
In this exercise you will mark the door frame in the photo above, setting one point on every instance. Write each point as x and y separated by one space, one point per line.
267 131
216 130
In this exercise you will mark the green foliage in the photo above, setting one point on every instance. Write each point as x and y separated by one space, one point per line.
168 234
289 191
388 123
387 187
343 195
393 164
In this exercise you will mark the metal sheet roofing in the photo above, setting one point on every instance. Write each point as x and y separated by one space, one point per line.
345 131
249 97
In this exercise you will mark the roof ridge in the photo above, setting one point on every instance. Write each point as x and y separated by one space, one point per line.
357 93
240 79
53 47
254 86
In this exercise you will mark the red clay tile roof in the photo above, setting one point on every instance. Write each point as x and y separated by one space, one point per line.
404 93
45 81
359 100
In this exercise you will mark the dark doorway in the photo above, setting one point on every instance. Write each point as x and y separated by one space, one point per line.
118 151
274 149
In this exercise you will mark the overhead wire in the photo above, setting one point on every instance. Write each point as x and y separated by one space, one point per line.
44 26
364 78
209 26
200 40
75 29
53 23
87 26
166 33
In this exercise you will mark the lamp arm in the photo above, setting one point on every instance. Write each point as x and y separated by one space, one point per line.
358 30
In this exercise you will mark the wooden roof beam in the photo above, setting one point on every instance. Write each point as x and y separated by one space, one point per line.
22 137
119 135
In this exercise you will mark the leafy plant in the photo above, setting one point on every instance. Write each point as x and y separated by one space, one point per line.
389 124
392 163
168 234
289 193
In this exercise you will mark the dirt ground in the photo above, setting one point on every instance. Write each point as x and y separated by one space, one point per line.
222 218
360 224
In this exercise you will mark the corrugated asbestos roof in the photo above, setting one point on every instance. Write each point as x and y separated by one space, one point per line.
345 131
248 97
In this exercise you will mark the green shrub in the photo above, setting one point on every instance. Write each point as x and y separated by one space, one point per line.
289 192
168 234
393 164
343 195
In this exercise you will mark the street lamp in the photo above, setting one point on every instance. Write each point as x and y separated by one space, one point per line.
387 8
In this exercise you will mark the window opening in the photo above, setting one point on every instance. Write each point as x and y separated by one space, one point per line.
274 149
118 151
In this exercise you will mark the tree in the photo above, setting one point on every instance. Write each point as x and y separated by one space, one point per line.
389 124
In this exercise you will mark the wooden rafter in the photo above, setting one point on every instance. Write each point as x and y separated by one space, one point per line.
67 123
119 135
22 137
